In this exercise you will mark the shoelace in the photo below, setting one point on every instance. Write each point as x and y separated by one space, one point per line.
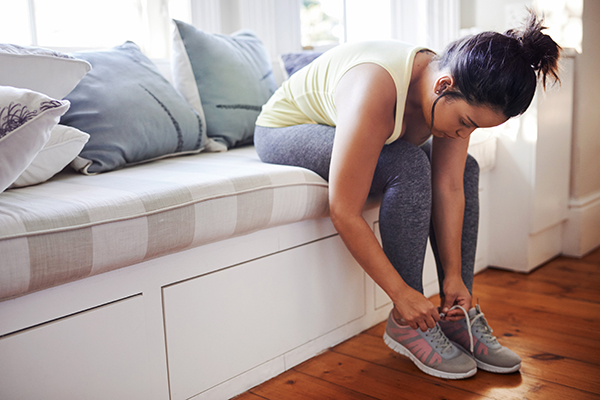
487 330
438 336
468 323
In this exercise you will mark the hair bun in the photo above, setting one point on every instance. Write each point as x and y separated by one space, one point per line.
539 49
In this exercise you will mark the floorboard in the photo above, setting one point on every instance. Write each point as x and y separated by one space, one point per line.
550 317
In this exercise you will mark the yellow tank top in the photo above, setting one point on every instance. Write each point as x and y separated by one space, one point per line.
308 96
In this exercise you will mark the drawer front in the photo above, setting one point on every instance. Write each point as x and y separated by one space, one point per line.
96 354
222 324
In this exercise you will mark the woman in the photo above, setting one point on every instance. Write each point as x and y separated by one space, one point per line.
361 116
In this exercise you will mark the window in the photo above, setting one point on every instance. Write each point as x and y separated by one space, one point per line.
563 19
72 25
431 23
14 22
322 23
327 23
368 20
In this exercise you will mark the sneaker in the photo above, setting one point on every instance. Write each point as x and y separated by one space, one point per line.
475 338
431 351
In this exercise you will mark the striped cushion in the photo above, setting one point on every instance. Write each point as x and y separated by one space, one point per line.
77 226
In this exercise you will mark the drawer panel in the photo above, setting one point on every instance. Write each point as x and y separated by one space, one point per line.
222 324
97 354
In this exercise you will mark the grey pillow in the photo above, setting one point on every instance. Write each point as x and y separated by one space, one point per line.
234 76
132 113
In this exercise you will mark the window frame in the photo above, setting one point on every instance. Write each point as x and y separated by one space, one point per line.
430 23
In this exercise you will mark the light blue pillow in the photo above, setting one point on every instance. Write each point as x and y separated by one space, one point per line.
234 76
131 112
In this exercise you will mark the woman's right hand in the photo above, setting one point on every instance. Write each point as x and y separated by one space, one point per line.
417 311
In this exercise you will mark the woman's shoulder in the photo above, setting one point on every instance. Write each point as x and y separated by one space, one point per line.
374 49
368 89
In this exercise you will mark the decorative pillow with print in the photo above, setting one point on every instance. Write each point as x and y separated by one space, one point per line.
26 120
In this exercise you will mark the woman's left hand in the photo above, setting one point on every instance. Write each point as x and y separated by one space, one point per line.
456 293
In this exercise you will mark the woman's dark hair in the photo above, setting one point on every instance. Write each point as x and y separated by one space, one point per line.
502 70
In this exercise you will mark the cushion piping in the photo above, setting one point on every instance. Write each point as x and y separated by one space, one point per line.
158 211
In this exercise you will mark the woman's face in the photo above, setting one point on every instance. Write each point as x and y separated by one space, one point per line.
455 118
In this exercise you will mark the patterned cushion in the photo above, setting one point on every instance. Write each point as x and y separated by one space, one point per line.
77 226
26 120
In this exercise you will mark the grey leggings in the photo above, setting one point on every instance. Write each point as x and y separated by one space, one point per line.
403 177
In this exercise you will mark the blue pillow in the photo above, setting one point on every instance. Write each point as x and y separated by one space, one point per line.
293 62
132 113
234 77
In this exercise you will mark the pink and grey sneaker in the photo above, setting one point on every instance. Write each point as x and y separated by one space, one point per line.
431 351
475 338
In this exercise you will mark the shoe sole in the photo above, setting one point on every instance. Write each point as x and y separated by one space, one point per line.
496 369
488 367
398 348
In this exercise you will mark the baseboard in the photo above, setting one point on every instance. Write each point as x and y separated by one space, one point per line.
582 229
286 361
544 246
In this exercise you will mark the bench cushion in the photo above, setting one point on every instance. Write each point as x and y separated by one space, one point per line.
76 226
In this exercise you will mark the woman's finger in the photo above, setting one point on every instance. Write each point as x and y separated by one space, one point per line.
448 303
430 323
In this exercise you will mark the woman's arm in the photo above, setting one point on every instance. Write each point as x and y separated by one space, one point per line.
448 158
365 101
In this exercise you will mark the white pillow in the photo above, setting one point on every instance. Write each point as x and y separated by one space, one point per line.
64 145
26 119
49 72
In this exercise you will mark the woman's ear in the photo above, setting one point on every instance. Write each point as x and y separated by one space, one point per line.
443 83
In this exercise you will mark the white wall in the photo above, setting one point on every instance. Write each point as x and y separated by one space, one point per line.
586 153
583 231
501 15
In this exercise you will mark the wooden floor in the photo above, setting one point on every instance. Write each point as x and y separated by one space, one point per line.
550 317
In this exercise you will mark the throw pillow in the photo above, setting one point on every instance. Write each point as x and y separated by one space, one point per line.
64 145
46 71
233 76
26 119
131 112
293 62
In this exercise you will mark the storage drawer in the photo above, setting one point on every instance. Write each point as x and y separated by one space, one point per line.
96 354
222 324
